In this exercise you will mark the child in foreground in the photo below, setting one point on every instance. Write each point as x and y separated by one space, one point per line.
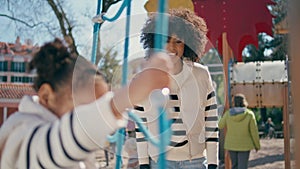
73 112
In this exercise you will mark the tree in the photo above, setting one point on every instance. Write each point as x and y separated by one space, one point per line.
109 65
53 18
65 24
270 48
27 17
280 42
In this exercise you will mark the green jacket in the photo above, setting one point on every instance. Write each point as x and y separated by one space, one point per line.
242 132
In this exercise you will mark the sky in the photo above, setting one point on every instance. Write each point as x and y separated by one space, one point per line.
112 34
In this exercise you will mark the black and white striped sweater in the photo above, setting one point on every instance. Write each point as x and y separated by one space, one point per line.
34 138
192 108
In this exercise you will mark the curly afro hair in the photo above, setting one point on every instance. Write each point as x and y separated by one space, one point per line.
183 23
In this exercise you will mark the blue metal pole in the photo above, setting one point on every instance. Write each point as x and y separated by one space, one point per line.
161 27
121 136
95 35
160 40
143 129
126 45
161 32
120 142
163 127
119 12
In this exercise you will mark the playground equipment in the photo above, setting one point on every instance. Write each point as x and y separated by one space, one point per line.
164 124
265 84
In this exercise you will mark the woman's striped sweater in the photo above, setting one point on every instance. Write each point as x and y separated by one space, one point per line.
192 108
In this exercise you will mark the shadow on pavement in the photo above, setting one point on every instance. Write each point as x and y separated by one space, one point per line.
266 159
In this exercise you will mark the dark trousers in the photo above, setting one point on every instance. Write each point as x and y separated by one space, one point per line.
239 159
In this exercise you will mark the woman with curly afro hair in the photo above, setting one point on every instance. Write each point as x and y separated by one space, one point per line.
192 105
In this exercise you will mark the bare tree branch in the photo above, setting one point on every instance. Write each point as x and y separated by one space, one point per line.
62 19
58 16
8 7
69 27
19 20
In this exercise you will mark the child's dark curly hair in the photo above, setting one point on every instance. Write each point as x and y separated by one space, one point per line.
187 26
57 66
53 64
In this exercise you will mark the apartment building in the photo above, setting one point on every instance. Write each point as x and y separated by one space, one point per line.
15 81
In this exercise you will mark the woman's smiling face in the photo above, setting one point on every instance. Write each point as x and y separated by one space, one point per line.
175 47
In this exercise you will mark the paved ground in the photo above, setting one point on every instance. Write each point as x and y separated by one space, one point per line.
112 160
271 156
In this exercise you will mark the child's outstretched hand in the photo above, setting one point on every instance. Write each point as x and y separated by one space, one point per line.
155 75
160 60
156 71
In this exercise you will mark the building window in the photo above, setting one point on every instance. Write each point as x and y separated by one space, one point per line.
27 79
30 79
18 66
3 78
21 79
16 79
3 66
